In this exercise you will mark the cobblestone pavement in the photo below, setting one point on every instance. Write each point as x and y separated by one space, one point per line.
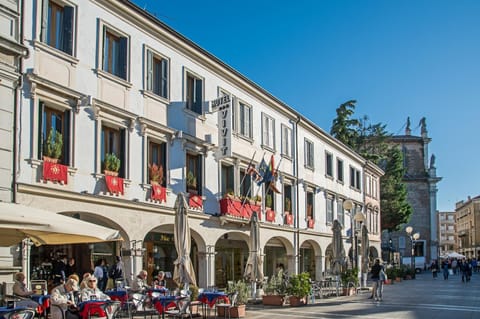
424 297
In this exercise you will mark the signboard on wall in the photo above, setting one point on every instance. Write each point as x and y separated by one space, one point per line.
223 105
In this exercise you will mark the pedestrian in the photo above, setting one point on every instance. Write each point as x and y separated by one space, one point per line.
445 269
70 268
434 268
376 269
116 271
454 266
98 273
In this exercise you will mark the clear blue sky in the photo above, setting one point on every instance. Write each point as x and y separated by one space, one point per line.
396 58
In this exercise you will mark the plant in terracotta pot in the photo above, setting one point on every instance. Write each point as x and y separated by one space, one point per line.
111 164
238 308
191 182
299 287
349 278
274 290
155 173
52 146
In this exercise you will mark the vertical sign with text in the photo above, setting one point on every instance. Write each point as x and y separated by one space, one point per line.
223 105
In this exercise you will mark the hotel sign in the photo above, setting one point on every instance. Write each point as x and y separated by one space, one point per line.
223 105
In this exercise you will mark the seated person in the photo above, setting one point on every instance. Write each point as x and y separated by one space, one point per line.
160 281
84 282
20 290
139 284
92 292
64 296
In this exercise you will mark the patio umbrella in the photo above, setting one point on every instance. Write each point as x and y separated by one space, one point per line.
183 271
254 267
338 251
365 248
453 255
18 222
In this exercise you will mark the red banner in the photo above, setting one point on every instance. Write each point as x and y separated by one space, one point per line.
55 172
114 184
311 223
159 193
289 219
195 201
270 215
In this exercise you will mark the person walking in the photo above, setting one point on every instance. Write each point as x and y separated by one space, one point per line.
445 269
434 268
376 269
98 271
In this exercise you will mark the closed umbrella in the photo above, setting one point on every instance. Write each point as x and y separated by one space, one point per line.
183 271
365 248
338 250
254 266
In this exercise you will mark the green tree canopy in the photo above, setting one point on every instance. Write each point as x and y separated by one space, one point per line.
371 142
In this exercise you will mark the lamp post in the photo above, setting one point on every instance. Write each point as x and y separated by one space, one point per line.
413 238
357 218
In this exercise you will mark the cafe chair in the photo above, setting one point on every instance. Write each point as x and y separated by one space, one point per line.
227 306
183 310
20 314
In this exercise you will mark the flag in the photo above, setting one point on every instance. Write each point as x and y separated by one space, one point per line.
265 172
114 184
273 178
55 172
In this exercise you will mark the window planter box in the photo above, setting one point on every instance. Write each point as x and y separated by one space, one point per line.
270 215
233 207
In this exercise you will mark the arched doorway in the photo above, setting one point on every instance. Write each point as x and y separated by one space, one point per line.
275 255
230 259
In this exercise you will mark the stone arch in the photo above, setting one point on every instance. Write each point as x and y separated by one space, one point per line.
310 259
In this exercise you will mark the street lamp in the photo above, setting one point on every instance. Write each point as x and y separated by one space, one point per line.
358 218
413 238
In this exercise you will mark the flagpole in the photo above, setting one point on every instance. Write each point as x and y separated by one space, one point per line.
249 164
245 199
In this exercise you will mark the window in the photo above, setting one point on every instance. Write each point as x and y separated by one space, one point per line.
309 154
340 212
310 206
245 183
58 25
194 173
329 164
115 53
286 141
268 130
339 170
59 121
354 178
245 120
227 179
157 155
157 74
113 141
194 93
329 209
287 198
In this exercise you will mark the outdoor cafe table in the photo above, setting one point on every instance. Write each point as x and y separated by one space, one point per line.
156 292
210 299
118 295
6 310
164 302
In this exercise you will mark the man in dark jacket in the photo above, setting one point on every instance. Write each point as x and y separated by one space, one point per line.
376 269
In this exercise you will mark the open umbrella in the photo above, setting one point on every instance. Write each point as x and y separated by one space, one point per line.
183 271
453 255
254 267
18 222
338 251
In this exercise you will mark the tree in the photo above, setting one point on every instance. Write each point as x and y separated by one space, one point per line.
393 192
344 128
371 142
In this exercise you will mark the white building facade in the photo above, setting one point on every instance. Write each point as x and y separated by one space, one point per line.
113 79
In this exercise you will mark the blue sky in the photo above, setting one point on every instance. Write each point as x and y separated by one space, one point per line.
396 58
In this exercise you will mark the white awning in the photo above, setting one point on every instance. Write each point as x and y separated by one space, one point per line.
48 228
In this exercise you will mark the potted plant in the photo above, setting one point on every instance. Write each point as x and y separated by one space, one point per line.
288 204
238 308
52 146
274 290
349 279
391 273
191 183
268 201
111 164
298 288
156 173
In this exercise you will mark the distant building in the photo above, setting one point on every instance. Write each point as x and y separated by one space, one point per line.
468 223
447 232
421 180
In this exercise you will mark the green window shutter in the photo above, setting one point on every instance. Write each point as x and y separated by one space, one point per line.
68 29
122 62
164 87
198 96
66 138
41 129
44 27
